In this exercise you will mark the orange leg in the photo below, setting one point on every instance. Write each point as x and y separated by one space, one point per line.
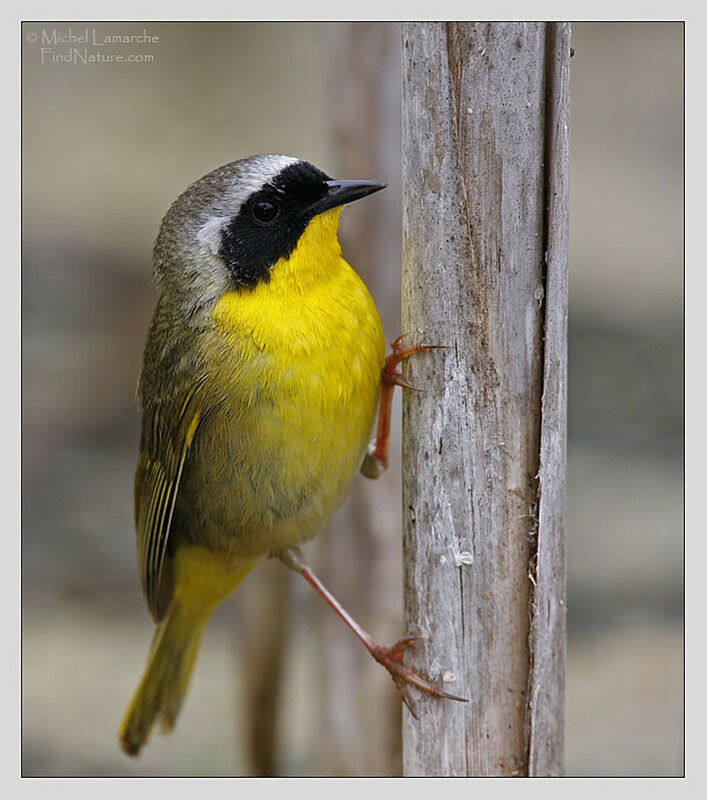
376 460
389 657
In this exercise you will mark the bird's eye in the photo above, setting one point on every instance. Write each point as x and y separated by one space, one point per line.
265 211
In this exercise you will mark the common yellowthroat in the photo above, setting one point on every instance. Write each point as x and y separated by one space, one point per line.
261 376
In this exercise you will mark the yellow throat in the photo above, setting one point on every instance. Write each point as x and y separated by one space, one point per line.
312 300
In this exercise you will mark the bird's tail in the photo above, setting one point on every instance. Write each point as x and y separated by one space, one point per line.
175 645
165 681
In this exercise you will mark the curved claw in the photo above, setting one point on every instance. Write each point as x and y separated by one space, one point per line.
391 658
405 696
390 375
398 343
397 379
398 649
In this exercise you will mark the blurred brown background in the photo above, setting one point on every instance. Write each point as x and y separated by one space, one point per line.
107 147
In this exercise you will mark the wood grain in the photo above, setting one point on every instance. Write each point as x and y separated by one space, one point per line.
548 633
476 181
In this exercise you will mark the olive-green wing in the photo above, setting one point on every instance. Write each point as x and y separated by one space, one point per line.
159 471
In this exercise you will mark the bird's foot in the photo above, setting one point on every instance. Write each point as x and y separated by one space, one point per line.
375 461
391 376
392 659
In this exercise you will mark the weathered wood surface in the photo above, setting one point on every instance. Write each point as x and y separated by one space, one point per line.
359 557
484 446
548 633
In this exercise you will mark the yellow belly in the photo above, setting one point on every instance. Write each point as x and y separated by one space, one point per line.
300 375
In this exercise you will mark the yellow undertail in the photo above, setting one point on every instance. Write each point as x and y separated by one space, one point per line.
202 580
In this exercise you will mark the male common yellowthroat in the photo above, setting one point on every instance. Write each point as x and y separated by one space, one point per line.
261 376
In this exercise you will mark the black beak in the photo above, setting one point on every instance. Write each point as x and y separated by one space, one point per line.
341 192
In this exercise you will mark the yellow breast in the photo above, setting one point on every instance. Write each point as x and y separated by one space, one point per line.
306 350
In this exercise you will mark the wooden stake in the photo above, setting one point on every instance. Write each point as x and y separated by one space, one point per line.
485 165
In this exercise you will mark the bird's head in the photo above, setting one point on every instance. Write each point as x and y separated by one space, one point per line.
233 226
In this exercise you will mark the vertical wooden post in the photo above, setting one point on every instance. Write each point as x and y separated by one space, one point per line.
546 686
485 165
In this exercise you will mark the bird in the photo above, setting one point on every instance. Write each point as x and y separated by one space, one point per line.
263 369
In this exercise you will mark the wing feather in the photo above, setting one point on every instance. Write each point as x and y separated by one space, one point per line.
157 479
